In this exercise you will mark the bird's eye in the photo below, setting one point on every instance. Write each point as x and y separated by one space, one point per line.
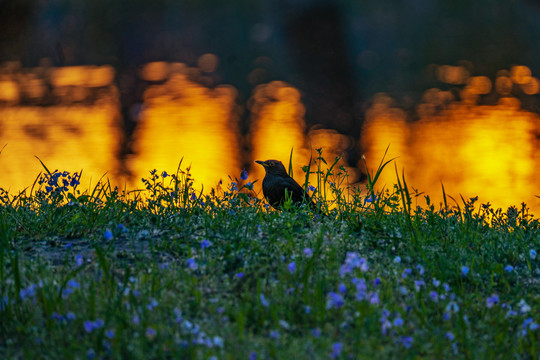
270 164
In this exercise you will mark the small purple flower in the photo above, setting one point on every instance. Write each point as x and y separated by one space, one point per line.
108 235
336 349
434 296
436 282
136 320
240 275
335 300
316 333
109 334
264 302
192 264
291 267
532 254
406 273
398 322
492 300
244 174
274 334
464 270
397 260
312 188
193 197
205 243
374 298
406 341
150 333
449 335
418 284
370 199
508 268
420 269
164 174
79 259
308 252
342 288
252 355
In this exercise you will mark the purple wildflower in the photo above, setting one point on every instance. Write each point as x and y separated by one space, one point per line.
244 174
335 300
492 300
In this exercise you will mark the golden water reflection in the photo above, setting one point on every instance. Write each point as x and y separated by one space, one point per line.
474 150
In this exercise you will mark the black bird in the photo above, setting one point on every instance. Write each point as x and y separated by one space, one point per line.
276 181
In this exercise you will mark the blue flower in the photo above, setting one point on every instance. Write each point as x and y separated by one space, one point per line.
492 300
370 199
406 273
108 235
240 275
434 296
449 335
374 298
335 300
308 252
150 333
274 334
193 197
205 243
418 284
264 302
292 267
464 270
312 188
136 319
532 254
420 269
252 355
406 341
244 175
397 260
316 333
192 264
398 322
342 288
109 334
508 268
336 349
164 174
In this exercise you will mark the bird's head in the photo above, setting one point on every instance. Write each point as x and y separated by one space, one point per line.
274 167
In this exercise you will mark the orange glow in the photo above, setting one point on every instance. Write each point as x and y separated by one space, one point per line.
532 87
64 137
452 74
182 119
277 127
489 151
520 74
155 71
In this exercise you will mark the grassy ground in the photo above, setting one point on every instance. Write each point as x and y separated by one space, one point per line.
169 272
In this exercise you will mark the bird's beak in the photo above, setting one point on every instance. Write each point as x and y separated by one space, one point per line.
260 163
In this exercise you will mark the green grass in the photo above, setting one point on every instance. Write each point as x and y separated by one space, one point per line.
174 272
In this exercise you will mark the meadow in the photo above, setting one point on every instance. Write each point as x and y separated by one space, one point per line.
171 271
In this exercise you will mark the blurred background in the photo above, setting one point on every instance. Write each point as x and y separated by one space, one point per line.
122 87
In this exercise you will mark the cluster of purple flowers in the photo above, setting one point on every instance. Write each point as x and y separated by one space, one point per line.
353 261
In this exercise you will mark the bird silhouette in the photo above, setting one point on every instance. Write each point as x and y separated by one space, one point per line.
276 182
